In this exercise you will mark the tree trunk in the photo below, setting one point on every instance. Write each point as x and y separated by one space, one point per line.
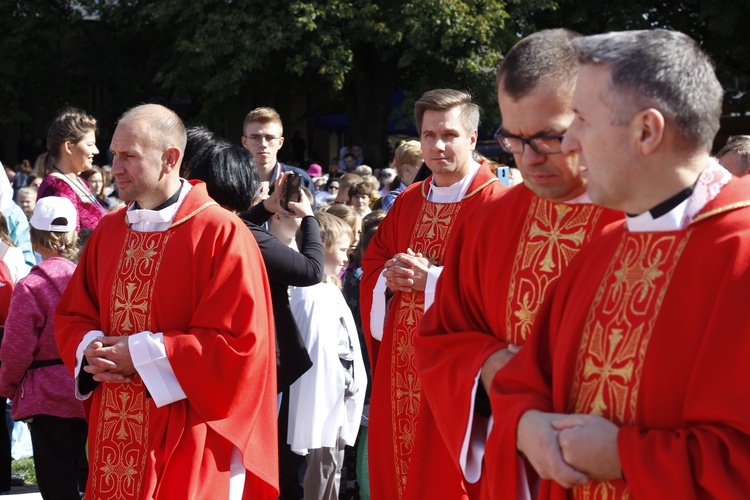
367 97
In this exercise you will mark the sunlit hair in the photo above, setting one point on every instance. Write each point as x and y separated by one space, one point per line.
361 189
660 69
346 213
409 153
332 228
546 55
65 244
738 143
444 100
70 125
263 116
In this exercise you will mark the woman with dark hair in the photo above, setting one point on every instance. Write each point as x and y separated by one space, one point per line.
71 145
232 180
97 180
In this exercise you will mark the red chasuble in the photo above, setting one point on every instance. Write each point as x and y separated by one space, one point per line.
426 228
201 283
497 272
649 330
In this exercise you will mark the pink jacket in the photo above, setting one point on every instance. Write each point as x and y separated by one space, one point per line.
30 337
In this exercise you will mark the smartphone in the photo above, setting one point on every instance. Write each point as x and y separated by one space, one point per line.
292 190
503 173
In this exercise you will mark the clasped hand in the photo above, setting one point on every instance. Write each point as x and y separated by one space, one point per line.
406 272
570 449
109 360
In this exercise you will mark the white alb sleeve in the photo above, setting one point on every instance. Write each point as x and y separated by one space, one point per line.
433 273
475 438
150 360
377 313
93 334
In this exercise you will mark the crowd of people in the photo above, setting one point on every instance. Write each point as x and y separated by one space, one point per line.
200 320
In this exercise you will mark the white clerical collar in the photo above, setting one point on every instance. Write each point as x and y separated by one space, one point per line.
145 220
706 188
455 192
646 223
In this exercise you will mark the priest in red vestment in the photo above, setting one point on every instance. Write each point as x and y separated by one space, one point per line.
167 326
633 383
401 266
500 265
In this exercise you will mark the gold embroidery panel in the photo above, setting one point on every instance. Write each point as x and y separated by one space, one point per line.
616 336
431 232
552 234
122 428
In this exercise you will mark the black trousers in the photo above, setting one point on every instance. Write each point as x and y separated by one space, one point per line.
60 456
5 458
290 463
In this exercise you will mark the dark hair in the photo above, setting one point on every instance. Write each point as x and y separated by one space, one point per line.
361 189
229 172
370 223
197 137
547 54
4 232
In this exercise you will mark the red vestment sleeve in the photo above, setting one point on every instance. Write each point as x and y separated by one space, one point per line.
226 361
522 385
452 341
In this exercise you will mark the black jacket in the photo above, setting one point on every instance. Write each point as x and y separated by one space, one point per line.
286 267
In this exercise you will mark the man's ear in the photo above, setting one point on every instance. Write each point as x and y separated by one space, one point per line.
171 160
649 130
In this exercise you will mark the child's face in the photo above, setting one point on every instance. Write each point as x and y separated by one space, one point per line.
336 257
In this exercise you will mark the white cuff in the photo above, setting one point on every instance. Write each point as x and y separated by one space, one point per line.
93 334
150 360
377 313
433 273
475 437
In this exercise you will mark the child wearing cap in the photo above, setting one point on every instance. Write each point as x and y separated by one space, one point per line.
32 373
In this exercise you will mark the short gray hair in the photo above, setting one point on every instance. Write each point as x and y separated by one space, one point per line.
661 69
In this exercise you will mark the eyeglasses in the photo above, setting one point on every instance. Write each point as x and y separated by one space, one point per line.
257 139
543 144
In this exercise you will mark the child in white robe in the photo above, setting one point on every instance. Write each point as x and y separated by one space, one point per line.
325 404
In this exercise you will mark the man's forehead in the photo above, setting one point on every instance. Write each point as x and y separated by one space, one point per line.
542 111
442 119
263 127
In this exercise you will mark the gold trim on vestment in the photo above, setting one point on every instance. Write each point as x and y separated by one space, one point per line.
721 210
434 224
617 333
120 450
552 234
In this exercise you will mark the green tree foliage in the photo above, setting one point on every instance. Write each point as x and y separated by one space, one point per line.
717 25
364 48
205 55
